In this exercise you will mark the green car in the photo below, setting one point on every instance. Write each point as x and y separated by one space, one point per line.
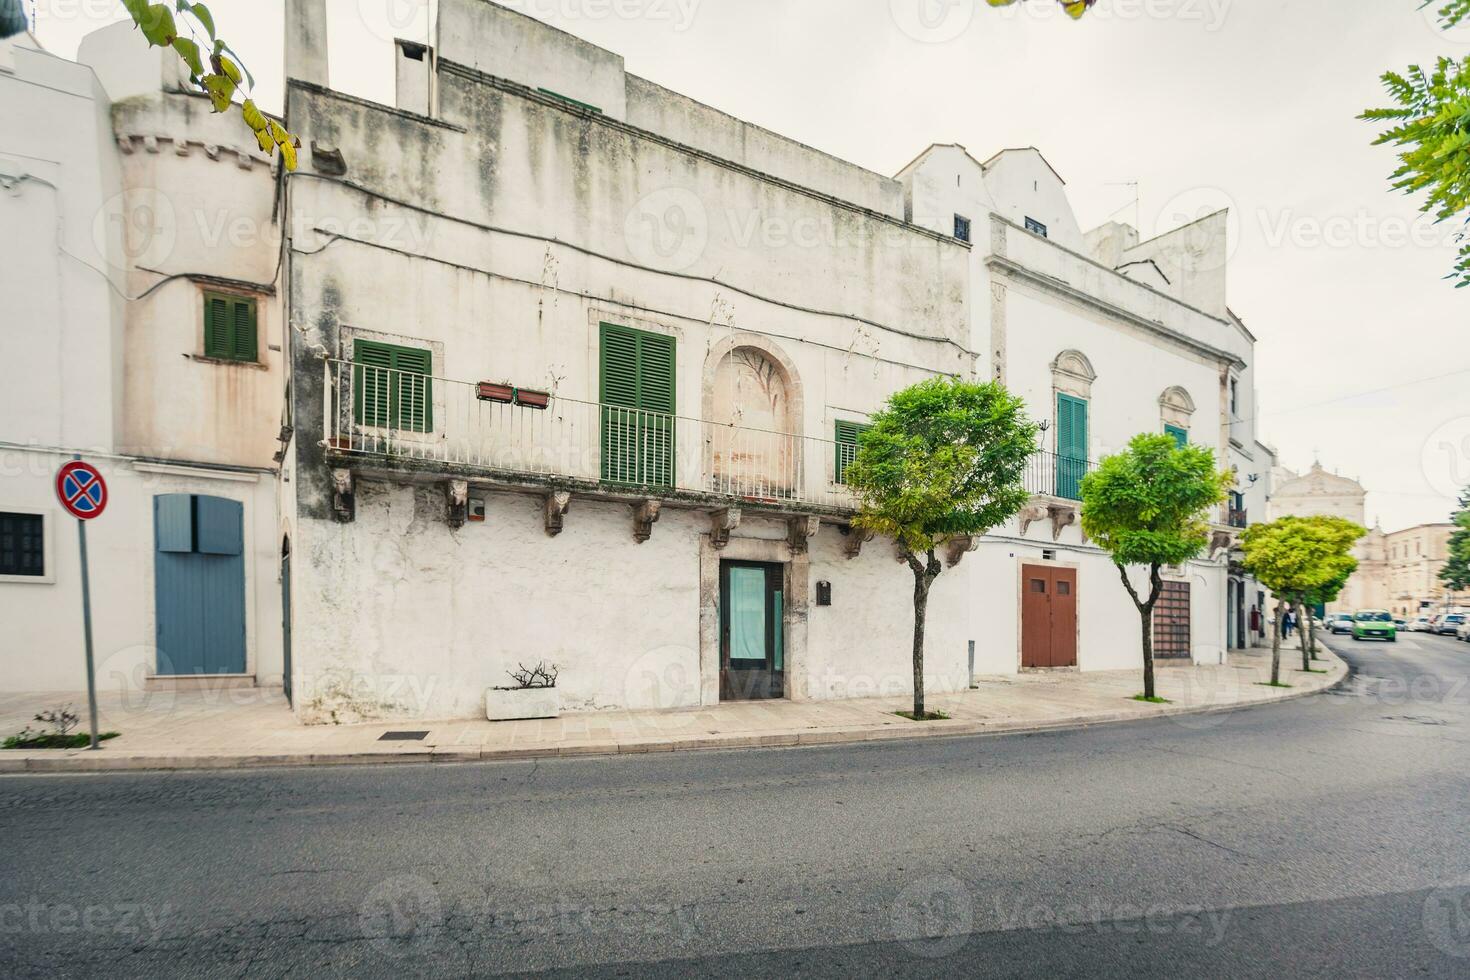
1375 624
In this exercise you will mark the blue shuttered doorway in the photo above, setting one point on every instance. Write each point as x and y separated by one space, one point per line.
199 584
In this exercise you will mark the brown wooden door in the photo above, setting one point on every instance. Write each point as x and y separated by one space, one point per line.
1171 622
1064 617
1048 616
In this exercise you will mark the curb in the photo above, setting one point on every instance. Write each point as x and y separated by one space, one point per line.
81 761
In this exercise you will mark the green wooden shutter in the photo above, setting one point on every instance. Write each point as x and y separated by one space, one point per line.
638 401
1071 446
230 328
846 437
217 326
243 345
392 386
1181 436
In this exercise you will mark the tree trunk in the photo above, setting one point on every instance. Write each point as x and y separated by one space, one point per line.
1146 618
1276 643
1302 629
924 575
1312 638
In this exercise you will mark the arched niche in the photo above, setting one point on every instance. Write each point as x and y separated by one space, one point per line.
753 410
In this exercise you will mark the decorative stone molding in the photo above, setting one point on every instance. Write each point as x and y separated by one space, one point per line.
1030 515
555 508
1220 541
645 515
344 501
800 531
1062 515
856 538
1175 407
957 547
1073 374
721 523
458 494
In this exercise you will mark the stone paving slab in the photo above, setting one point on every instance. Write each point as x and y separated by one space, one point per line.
254 727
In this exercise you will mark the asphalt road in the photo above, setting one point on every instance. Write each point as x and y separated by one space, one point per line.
1324 837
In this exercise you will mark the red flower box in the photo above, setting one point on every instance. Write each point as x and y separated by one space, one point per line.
489 391
532 399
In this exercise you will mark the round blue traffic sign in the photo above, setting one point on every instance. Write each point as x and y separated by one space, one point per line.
81 490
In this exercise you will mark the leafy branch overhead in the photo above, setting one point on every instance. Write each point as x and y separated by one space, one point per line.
214 67
1429 121
1076 8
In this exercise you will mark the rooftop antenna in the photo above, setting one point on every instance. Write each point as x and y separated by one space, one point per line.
1137 213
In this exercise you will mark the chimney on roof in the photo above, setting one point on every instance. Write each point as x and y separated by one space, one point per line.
306 41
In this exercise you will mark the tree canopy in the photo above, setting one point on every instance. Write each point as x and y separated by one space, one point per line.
1298 558
1456 571
944 458
1149 505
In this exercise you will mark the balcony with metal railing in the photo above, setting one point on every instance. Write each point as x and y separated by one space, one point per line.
379 418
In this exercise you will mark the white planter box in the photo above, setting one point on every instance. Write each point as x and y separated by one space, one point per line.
522 703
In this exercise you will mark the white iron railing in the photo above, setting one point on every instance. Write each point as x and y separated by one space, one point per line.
381 412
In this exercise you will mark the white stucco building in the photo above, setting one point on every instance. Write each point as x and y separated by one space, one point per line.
553 364
111 182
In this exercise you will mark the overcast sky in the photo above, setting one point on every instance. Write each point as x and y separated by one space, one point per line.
1364 353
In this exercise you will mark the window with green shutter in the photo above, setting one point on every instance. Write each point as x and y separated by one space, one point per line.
846 436
1181 435
637 381
1071 446
230 327
392 387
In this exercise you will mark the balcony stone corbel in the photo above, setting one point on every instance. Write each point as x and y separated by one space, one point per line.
721 523
1220 542
856 538
645 515
555 508
458 494
1062 515
344 501
1030 515
800 531
957 547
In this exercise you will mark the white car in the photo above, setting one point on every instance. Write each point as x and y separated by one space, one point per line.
1463 633
1419 625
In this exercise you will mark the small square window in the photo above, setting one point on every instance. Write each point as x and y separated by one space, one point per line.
1035 227
22 545
1064 587
962 228
1038 585
230 328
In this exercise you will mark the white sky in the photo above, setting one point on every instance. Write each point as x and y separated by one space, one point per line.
1245 103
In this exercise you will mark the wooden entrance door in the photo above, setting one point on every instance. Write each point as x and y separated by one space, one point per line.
1048 616
752 638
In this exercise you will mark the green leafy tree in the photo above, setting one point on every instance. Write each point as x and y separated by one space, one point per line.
214 67
1456 571
945 458
1298 558
1321 596
1074 8
1148 506
1429 122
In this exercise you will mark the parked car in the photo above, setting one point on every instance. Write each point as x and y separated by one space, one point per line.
1464 631
1340 623
1450 625
1400 622
1419 625
1375 624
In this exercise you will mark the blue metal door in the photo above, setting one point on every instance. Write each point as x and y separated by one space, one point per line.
199 584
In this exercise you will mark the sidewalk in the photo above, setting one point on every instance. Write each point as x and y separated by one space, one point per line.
253 727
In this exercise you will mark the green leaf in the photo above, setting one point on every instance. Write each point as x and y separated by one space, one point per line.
157 24
201 13
189 51
221 91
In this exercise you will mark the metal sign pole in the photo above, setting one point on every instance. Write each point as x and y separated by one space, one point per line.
87 628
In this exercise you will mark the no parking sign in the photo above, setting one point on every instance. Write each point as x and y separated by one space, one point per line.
83 493
82 490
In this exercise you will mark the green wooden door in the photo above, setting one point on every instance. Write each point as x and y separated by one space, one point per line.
637 406
1071 446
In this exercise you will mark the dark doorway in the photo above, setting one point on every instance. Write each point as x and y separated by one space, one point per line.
286 617
752 638
1048 616
1171 622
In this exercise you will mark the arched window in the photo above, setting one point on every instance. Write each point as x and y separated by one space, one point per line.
1072 378
1175 409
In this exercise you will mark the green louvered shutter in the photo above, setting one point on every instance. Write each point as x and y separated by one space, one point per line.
1071 446
392 386
638 400
656 400
243 346
413 399
1181 436
217 326
847 435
